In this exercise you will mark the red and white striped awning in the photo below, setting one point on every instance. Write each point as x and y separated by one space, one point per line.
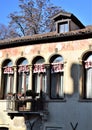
39 68
23 68
57 67
8 70
88 64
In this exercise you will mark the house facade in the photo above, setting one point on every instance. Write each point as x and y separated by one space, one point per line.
45 79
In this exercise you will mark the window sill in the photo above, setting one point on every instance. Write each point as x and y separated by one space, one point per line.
56 100
85 100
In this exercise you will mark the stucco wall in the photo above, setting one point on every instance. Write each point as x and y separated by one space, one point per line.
71 52
71 112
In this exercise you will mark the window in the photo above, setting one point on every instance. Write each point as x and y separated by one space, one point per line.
8 77
39 76
87 64
23 75
56 73
63 27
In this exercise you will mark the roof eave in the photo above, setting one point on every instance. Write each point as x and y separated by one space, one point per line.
73 35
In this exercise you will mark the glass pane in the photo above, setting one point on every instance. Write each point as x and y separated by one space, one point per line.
8 84
88 67
40 83
9 64
23 82
63 27
89 83
24 62
41 60
39 75
58 59
89 58
57 77
23 75
56 85
8 74
66 28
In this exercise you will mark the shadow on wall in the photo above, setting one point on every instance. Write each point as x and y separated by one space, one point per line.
76 73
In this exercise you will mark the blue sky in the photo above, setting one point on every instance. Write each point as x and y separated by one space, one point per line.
82 9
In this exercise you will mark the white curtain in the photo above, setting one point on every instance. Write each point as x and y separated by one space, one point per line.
89 83
9 84
56 85
23 82
37 83
40 82
61 93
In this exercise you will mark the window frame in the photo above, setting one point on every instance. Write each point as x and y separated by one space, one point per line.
86 67
39 73
8 76
61 73
63 23
23 72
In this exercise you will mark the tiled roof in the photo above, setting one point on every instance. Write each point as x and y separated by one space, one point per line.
48 36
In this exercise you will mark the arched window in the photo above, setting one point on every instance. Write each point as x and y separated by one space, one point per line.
39 76
23 75
8 77
56 72
87 65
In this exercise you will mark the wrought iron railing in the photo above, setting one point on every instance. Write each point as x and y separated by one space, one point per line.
25 104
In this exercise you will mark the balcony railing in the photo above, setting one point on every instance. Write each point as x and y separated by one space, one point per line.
25 105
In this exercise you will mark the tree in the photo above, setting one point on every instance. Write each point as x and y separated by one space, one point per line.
3 32
33 17
6 32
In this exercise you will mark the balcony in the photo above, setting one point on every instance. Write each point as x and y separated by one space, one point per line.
25 105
